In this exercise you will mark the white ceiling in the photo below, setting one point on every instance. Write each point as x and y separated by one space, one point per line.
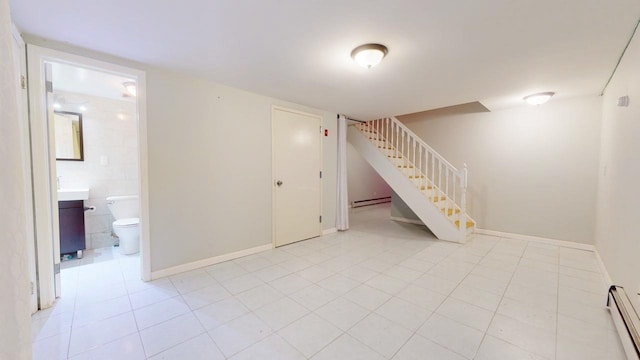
441 52
79 80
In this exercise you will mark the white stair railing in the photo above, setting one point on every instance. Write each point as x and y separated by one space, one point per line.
440 181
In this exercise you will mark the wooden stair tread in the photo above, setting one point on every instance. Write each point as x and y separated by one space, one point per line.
374 134
451 211
469 224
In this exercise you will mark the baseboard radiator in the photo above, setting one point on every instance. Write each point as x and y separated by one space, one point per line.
367 202
626 320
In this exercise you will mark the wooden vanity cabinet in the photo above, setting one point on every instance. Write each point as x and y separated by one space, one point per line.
72 238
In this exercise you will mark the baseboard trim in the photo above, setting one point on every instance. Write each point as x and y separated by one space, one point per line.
329 231
607 277
408 221
563 243
208 262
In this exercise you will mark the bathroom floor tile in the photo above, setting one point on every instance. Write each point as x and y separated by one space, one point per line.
378 291
339 284
273 347
528 337
205 296
160 312
310 334
168 334
151 296
242 283
342 313
313 297
200 347
380 334
465 313
281 313
493 348
346 347
419 348
216 314
126 348
452 335
367 297
238 334
290 284
189 282
87 337
259 296
404 313
52 348
101 310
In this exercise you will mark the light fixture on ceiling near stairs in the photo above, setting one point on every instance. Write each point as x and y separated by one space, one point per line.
369 55
539 98
130 88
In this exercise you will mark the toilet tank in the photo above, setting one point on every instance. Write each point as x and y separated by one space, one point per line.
123 207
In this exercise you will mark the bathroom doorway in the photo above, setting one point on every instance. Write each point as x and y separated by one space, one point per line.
88 138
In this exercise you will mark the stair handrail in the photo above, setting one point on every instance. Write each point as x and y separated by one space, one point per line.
424 144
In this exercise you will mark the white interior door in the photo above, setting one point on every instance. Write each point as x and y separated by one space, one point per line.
296 176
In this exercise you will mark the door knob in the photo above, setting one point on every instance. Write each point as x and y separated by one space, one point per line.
279 182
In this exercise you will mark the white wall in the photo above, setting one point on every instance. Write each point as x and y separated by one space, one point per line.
210 168
210 164
617 238
15 325
532 170
109 129
364 183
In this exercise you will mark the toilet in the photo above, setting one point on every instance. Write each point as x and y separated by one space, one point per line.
126 211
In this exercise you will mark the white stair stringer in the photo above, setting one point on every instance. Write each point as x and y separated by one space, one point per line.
416 189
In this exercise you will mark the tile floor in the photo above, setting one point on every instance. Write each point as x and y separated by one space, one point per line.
382 290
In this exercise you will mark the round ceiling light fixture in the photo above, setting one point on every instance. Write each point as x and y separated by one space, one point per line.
369 55
539 98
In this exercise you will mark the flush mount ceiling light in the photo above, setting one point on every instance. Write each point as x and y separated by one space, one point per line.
369 55
539 98
130 88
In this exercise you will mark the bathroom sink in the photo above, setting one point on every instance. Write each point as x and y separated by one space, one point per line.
73 194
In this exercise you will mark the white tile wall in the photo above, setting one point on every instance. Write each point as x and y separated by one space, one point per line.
109 129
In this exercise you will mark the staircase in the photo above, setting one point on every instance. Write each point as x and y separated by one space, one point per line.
433 188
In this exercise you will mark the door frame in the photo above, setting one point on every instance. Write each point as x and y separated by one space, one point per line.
43 162
23 111
275 108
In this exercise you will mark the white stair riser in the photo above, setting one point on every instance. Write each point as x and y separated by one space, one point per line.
408 189
413 174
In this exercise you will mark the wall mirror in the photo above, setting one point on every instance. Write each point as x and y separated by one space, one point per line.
68 136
